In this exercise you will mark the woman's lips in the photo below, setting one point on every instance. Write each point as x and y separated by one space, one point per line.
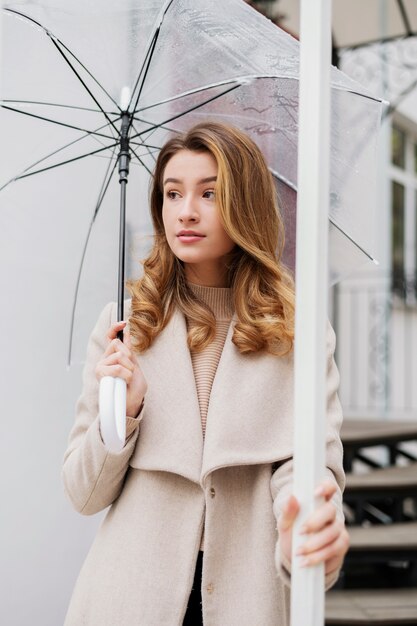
190 238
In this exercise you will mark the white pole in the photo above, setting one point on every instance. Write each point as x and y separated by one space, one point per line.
307 594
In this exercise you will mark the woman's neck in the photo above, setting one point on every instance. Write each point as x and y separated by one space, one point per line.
208 276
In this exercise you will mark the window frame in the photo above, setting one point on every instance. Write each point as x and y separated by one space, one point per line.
407 177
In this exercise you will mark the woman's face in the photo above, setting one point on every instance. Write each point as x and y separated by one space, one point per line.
190 216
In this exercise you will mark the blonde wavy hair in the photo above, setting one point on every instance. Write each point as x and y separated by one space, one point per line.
262 288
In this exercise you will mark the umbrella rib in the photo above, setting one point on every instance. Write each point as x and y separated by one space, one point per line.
105 185
358 93
145 145
151 47
192 92
292 186
55 104
91 76
286 181
240 80
352 240
150 152
71 143
140 161
147 62
53 38
51 167
81 80
197 106
152 126
47 119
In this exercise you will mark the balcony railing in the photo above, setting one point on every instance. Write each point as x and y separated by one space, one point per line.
375 319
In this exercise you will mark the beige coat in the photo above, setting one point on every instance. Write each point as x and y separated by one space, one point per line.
165 483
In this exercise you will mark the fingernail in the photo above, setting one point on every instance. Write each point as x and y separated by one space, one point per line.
319 491
299 551
303 530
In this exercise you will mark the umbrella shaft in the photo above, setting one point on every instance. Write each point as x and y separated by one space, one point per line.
124 154
122 229
124 158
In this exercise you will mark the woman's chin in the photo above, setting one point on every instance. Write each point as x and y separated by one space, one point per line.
191 256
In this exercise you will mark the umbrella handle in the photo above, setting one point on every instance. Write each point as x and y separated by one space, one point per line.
112 412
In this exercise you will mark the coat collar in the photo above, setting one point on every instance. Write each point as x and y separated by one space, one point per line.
249 419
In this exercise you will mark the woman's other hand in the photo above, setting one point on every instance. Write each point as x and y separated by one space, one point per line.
326 538
120 361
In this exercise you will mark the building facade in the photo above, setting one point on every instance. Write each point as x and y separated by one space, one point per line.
375 311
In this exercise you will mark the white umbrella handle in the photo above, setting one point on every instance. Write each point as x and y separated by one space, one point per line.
112 410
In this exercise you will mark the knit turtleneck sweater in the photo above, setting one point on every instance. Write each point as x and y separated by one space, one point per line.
220 301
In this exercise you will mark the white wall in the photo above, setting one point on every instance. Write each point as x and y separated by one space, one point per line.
42 540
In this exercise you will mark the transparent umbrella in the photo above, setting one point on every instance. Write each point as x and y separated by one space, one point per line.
88 88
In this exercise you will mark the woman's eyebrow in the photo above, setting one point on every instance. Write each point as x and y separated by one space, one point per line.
177 181
210 179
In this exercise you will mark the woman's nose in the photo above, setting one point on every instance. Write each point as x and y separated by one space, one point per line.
188 211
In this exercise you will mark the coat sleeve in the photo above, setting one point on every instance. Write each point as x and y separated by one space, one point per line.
281 481
92 476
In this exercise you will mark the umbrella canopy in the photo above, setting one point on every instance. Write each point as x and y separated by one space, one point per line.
167 65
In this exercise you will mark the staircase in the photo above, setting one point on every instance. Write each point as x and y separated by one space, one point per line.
378 584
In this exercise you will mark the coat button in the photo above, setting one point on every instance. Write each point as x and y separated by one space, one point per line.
212 492
210 588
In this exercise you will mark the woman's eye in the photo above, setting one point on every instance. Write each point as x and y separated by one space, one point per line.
210 194
172 194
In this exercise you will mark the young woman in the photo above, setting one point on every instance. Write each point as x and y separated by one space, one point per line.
199 527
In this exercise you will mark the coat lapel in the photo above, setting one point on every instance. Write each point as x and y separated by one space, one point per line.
171 437
250 414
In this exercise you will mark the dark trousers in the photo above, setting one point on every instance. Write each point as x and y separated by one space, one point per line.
193 616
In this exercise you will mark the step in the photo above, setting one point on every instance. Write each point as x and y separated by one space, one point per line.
380 607
357 435
384 537
387 481
358 432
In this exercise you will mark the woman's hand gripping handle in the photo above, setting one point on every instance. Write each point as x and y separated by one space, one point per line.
122 387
